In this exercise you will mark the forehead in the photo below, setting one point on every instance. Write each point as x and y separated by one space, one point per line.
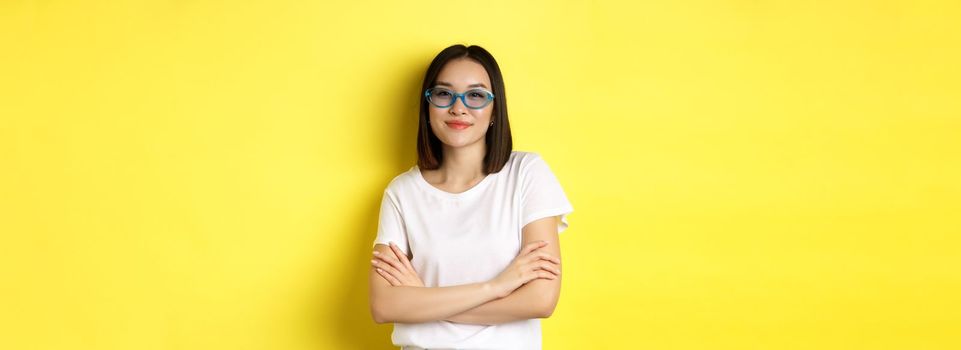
464 72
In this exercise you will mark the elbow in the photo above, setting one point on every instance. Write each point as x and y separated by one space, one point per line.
377 316
387 312
545 311
546 307
378 313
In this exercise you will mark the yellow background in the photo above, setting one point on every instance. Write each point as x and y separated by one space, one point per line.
745 174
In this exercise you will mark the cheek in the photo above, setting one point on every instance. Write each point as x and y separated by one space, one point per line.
484 114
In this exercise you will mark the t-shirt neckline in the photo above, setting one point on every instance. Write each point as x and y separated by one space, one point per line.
431 188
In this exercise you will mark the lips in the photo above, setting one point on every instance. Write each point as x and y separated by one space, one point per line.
459 125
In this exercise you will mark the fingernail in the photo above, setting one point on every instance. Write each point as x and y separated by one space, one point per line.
373 261
376 253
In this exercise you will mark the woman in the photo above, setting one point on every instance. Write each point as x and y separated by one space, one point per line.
467 254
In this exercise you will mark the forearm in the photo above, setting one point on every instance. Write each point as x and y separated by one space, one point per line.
405 304
532 300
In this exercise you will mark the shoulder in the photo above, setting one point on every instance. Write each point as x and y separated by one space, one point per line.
402 181
522 160
527 162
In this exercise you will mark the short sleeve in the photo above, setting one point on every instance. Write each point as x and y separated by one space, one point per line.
542 195
390 227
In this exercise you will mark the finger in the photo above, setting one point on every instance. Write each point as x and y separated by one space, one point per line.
385 276
549 267
389 266
539 256
388 260
535 267
530 247
403 279
543 256
389 269
545 275
401 256
397 253
547 256
383 263
390 279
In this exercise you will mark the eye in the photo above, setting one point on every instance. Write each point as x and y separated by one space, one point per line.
442 93
477 94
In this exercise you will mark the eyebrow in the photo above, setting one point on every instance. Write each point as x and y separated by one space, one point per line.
469 86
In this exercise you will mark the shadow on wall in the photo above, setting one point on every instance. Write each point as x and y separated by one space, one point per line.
350 312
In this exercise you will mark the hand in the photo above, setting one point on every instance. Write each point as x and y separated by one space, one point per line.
395 268
529 264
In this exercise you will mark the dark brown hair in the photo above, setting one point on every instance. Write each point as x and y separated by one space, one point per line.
498 138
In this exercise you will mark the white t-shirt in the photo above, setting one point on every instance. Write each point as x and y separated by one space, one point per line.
469 237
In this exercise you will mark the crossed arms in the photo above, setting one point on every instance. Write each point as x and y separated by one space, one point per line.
397 295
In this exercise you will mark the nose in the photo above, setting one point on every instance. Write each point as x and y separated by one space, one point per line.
458 107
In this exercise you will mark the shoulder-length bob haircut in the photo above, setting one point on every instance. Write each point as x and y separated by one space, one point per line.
498 138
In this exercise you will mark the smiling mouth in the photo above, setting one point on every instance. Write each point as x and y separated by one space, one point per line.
457 126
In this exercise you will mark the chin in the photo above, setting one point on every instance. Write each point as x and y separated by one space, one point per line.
461 143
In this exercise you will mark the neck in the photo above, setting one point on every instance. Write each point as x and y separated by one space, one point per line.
463 164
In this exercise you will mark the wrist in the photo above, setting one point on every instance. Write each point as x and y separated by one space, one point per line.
493 289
